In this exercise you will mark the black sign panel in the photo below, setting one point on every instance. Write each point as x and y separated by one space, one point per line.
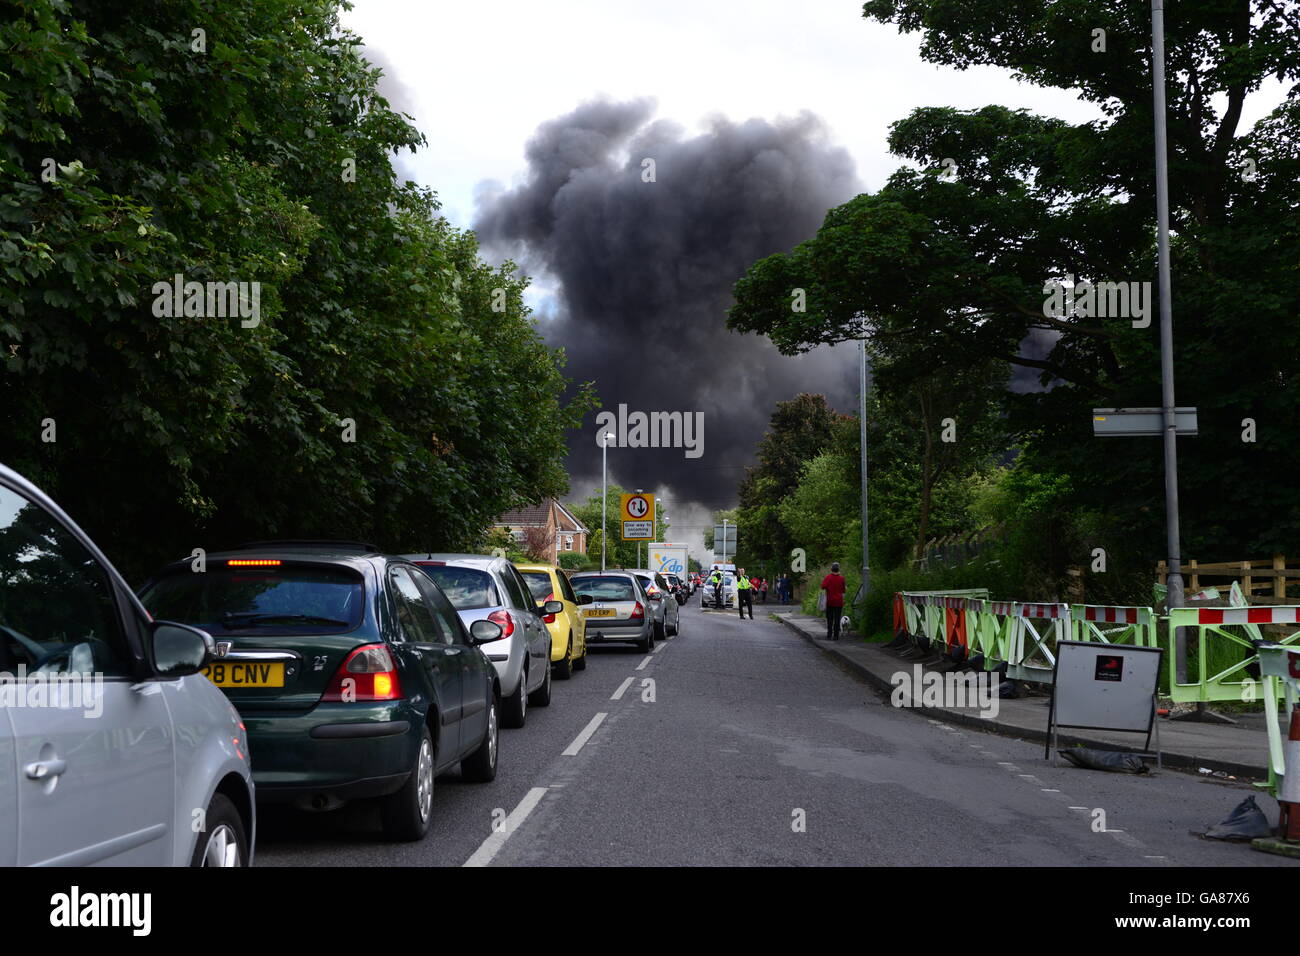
1109 667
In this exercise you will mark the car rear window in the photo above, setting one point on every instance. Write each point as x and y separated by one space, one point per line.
466 588
284 599
539 582
605 588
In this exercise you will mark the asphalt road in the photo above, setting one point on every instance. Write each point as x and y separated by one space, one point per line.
738 743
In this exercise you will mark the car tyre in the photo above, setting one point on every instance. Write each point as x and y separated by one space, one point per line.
661 629
564 669
581 663
542 696
646 645
515 709
406 813
223 841
481 765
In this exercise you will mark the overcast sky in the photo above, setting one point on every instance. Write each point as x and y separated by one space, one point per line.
734 80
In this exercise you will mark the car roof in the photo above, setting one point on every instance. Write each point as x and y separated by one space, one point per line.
457 560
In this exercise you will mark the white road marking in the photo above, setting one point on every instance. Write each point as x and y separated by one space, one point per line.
582 738
1046 790
497 839
618 694
644 662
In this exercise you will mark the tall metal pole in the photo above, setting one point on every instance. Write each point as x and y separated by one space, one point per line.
1175 580
862 435
604 493
638 543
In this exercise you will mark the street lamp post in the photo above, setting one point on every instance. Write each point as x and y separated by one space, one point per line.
604 491
862 434
1174 596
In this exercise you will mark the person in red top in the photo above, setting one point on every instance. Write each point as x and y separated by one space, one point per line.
833 585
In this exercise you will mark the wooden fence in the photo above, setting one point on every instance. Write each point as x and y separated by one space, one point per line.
1263 581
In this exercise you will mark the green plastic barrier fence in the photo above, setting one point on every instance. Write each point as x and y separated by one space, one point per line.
1232 682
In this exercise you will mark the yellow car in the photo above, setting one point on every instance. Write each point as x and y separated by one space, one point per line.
568 628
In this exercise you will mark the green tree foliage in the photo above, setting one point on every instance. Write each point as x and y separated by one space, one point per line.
256 151
799 430
619 553
940 267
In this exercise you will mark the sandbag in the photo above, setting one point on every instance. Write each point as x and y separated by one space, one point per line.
1110 760
1246 822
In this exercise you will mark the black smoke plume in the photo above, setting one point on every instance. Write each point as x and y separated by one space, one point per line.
642 275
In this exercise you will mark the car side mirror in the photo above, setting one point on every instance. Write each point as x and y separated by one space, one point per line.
178 650
484 631
586 599
551 607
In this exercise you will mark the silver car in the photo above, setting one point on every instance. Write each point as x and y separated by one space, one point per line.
482 587
616 608
113 748
666 613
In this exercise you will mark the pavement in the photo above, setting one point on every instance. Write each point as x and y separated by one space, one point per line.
1239 750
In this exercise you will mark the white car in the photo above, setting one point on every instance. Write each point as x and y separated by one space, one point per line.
131 757
707 598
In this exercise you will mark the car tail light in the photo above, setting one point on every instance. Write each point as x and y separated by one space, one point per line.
368 673
504 619
550 618
253 563
638 611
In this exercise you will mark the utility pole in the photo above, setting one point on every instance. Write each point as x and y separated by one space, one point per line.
1174 596
638 542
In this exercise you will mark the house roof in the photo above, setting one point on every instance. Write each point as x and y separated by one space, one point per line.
577 525
537 516
534 516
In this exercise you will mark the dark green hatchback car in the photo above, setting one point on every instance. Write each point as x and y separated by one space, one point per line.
353 674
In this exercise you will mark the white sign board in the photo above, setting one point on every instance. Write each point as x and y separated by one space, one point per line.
638 530
1105 686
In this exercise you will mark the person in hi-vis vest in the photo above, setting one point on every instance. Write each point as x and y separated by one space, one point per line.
744 595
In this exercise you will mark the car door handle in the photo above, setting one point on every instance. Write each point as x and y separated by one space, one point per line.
44 769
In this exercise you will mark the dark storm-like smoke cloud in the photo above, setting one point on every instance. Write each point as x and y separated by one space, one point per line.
644 271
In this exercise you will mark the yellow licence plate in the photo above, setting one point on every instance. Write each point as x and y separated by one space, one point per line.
245 675
600 612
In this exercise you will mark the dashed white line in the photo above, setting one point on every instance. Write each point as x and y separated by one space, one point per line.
644 662
582 738
618 694
497 839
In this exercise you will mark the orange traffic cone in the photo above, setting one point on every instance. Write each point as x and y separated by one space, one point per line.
1289 798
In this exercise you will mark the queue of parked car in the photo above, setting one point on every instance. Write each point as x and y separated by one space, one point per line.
314 673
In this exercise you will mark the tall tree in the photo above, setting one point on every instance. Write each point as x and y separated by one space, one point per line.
952 260
391 386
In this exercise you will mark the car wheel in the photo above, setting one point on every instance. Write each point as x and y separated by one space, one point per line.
515 710
223 841
581 663
407 812
661 630
647 643
542 696
481 765
564 669
677 626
